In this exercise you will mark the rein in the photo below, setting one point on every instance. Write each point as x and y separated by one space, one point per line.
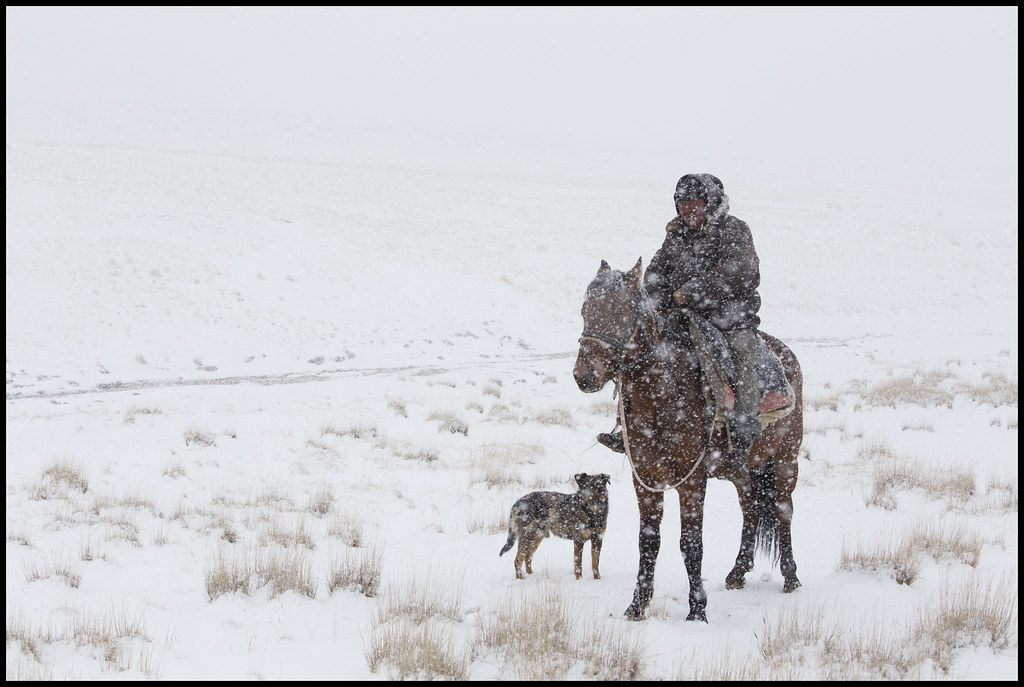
619 346
629 454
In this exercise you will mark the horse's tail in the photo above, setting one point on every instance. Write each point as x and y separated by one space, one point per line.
766 539
510 542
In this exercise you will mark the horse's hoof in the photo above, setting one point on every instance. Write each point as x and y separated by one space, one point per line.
634 613
734 582
791 586
697 615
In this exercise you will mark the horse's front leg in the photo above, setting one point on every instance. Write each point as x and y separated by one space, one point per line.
691 542
652 507
745 557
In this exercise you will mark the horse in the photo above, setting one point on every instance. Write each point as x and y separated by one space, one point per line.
664 409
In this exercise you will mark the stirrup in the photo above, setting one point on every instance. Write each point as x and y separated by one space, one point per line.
735 461
612 441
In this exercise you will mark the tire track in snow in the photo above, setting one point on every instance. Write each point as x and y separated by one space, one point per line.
281 378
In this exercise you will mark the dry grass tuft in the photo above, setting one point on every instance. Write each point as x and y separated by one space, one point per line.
918 425
1002 494
26 637
976 612
359 572
199 437
953 484
115 636
605 408
449 421
500 412
53 567
492 522
969 613
540 639
246 570
421 600
496 465
931 388
941 388
65 473
828 401
131 413
534 633
285 570
996 388
560 417
407 650
278 532
903 553
356 431
347 529
19 536
230 571
322 499
722 667
398 407
175 470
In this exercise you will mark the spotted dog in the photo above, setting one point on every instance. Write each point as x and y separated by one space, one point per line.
579 517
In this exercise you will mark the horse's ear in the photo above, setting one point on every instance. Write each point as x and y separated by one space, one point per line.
604 267
633 276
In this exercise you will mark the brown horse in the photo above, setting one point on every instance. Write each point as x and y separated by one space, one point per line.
665 414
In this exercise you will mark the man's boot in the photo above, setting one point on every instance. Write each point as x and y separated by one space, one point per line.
612 440
734 462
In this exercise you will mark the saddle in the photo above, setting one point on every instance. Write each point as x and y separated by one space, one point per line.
777 398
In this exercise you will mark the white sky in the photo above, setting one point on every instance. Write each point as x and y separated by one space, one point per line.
883 86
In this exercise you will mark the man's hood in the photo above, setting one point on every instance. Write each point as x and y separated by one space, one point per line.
707 187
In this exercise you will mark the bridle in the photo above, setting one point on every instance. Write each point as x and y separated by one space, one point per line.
619 344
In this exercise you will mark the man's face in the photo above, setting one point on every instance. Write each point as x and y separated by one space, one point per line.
693 212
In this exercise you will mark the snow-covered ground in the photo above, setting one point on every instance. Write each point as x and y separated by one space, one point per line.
235 338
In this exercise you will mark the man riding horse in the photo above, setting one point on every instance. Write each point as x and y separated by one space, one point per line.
707 263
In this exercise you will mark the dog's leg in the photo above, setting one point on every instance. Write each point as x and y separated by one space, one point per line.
523 553
577 550
532 549
595 554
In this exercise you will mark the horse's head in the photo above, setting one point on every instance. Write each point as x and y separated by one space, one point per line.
610 320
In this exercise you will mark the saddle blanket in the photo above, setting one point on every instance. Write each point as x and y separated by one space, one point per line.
777 397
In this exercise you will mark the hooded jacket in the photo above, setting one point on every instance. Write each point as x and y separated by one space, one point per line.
716 266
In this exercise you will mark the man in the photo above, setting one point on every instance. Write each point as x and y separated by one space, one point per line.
707 263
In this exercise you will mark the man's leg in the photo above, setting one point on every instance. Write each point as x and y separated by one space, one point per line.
743 423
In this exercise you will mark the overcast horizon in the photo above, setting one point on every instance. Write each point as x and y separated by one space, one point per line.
905 91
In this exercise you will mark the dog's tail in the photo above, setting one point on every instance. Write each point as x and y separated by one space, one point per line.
510 542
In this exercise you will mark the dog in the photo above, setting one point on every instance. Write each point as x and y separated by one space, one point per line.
579 517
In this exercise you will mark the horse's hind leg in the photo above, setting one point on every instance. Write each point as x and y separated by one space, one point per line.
748 533
785 483
787 564
652 507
